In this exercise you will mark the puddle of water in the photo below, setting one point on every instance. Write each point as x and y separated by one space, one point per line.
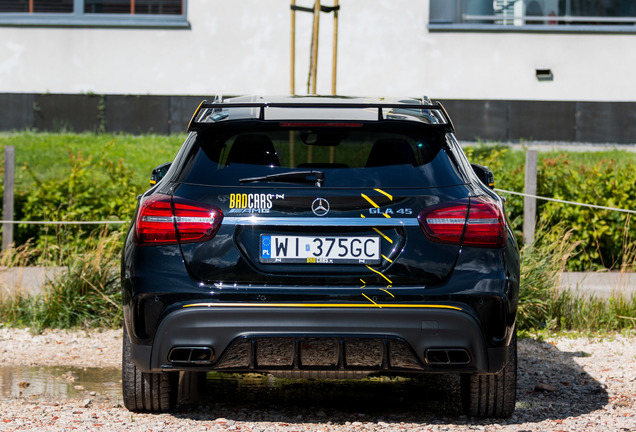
59 381
370 393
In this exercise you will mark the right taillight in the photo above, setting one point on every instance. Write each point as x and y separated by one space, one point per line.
164 220
474 222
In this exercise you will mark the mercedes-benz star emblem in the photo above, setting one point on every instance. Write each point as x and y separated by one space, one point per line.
320 207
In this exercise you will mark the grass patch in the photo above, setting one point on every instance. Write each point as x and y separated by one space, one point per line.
47 154
543 307
87 293
591 314
541 263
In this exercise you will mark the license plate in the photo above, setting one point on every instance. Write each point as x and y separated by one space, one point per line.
320 249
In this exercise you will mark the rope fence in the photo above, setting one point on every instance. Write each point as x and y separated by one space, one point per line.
496 189
566 202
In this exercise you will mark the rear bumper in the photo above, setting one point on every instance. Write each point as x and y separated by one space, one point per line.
262 337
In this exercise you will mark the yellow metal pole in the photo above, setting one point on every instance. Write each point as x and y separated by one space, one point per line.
316 32
292 81
334 62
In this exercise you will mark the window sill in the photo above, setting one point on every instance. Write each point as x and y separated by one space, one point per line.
496 28
94 20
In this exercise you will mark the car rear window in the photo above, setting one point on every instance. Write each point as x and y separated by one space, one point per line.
349 156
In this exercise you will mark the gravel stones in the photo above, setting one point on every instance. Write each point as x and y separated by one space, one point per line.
99 348
565 384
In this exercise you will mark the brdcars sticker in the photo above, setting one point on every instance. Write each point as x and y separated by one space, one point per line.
253 203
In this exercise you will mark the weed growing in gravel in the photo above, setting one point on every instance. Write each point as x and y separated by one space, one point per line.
541 263
12 300
591 314
85 294
543 306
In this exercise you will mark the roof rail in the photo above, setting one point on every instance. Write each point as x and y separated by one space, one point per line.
432 114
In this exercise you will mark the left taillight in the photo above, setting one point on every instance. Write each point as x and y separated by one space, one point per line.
476 222
165 220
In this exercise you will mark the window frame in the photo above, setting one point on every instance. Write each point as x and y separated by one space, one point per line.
78 18
443 22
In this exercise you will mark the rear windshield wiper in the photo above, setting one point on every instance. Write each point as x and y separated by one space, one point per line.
317 177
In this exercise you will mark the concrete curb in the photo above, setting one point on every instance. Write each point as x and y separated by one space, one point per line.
599 284
27 280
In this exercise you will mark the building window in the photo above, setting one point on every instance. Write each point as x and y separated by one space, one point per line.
534 15
134 7
138 13
36 6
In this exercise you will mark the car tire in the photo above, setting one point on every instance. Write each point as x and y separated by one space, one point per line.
492 395
143 391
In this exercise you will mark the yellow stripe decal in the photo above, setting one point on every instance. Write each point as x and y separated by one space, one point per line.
375 271
382 289
367 297
370 201
386 215
386 258
325 305
383 235
384 193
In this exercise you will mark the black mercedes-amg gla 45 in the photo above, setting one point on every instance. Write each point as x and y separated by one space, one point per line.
320 237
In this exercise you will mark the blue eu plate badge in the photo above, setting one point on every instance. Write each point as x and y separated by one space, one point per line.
266 246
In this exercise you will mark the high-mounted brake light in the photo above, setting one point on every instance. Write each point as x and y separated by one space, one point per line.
162 220
321 124
474 222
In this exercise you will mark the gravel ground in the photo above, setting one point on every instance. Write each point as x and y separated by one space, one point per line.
565 384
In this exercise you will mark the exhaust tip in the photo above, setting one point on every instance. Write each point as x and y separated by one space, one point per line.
191 355
447 357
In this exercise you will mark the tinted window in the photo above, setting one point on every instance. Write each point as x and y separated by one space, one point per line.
349 157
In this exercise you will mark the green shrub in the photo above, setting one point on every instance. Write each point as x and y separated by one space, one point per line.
95 189
590 178
600 233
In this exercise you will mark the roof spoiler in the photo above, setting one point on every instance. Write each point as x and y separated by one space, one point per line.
437 115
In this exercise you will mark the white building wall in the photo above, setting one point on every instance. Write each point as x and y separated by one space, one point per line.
385 48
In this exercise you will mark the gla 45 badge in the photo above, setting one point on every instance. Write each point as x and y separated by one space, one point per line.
390 211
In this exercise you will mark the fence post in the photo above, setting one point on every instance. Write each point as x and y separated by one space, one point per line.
530 203
7 201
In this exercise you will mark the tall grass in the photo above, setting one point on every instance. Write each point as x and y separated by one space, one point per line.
11 297
543 306
541 263
85 294
591 314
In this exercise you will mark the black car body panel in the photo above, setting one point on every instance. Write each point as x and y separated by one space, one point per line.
339 239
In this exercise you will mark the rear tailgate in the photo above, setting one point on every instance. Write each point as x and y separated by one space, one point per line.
327 237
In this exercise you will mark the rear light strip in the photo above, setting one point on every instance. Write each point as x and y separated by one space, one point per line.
439 221
164 220
177 219
474 222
